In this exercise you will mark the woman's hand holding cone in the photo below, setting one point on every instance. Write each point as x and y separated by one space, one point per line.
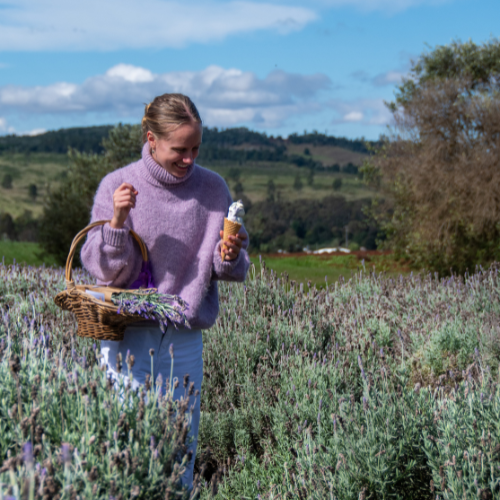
231 247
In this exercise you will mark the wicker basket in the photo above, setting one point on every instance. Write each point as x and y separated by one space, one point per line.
97 319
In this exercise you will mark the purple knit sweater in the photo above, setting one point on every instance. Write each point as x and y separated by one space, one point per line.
179 220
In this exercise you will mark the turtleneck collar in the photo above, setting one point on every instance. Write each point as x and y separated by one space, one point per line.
155 174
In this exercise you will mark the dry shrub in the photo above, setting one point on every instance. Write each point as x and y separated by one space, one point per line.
440 173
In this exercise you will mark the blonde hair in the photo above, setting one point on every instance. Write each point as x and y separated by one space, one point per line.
167 112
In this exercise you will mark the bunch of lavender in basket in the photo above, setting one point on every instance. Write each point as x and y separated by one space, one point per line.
152 305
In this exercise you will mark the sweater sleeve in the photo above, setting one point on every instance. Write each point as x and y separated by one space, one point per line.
109 254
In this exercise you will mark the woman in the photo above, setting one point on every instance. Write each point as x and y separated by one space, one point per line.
178 209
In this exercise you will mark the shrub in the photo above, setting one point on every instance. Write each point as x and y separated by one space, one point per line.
378 387
441 209
67 209
322 393
33 191
65 432
297 183
7 181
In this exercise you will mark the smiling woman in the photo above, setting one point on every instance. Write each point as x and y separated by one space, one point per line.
178 209
172 127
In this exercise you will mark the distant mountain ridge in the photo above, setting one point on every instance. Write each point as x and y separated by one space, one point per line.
216 143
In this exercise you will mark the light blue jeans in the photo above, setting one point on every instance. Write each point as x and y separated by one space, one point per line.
188 349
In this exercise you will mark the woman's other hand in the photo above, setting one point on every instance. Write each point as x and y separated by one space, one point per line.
233 245
123 200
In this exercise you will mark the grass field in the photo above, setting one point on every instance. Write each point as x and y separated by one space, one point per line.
23 252
256 176
47 170
322 269
44 170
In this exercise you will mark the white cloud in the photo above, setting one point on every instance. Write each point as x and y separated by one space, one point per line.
120 24
353 116
362 111
4 127
130 73
389 78
35 131
224 96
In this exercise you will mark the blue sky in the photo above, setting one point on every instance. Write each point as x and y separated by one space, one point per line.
277 66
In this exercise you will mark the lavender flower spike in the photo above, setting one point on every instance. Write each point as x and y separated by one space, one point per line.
360 363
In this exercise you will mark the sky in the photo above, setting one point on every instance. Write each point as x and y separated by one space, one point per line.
276 66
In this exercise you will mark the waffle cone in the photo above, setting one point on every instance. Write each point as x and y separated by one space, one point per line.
230 228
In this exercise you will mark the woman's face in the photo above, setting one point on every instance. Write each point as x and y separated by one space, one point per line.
179 150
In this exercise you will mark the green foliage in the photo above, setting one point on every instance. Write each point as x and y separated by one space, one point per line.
297 183
22 228
238 189
234 174
65 432
292 225
67 209
88 139
318 139
464 61
310 177
350 168
7 226
271 190
337 183
7 181
33 191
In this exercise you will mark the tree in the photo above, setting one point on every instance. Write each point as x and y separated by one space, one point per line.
67 209
337 183
438 168
271 190
33 191
234 174
310 177
307 152
7 227
7 181
238 189
297 183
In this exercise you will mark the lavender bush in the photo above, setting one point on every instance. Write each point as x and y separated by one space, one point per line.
66 432
374 388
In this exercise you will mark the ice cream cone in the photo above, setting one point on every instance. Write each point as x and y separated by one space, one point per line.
230 227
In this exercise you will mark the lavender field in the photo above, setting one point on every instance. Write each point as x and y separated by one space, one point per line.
374 388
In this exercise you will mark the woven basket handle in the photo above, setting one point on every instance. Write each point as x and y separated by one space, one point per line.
81 234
